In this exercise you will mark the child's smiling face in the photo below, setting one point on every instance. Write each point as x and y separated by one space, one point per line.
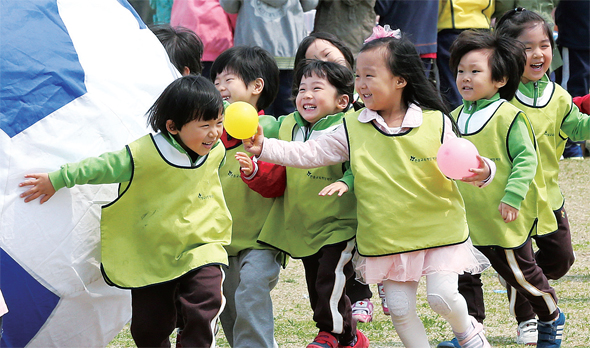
318 98
474 76
538 52
324 50
375 83
198 135
233 88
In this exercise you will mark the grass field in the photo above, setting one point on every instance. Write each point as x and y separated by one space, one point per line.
293 318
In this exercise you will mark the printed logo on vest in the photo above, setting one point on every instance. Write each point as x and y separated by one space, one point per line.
315 177
549 134
232 175
416 159
205 197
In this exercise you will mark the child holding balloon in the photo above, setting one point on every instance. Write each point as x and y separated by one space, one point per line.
503 217
249 75
554 118
163 236
403 200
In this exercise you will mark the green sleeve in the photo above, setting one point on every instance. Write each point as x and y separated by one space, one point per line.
270 125
521 148
576 124
108 168
348 177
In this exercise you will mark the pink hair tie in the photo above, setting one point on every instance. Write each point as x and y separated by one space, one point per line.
385 31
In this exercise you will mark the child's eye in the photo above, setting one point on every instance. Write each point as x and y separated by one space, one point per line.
317 89
474 71
459 71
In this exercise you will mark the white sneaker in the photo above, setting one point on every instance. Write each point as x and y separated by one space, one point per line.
527 333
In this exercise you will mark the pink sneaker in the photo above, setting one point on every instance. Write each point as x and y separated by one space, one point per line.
382 296
362 311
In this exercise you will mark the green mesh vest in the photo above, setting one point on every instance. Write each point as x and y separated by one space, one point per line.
248 208
300 222
546 114
486 226
404 202
168 221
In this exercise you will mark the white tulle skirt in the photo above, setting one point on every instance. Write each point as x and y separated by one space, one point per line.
411 266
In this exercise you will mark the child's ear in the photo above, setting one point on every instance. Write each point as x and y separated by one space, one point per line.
501 83
171 127
186 71
343 101
400 82
258 85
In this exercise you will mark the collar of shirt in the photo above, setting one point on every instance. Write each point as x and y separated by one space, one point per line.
412 119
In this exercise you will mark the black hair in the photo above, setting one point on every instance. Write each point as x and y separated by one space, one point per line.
250 63
184 47
186 99
404 61
507 60
333 39
337 75
514 22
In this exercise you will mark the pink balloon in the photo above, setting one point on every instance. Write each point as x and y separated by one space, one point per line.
456 156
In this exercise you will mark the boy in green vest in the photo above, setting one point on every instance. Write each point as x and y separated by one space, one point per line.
164 235
488 70
247 74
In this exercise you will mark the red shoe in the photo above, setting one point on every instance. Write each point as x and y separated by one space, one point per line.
361 341
324 340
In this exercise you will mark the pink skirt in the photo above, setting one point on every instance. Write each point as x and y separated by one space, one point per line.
411 266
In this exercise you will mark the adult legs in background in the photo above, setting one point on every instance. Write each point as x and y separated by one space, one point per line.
448 88
283 105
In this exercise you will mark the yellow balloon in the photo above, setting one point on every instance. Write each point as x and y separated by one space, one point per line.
241 120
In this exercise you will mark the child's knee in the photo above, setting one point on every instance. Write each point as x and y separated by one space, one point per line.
398 303
438 304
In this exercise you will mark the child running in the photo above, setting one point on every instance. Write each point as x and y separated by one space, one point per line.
247 74
555 118
163 236
318 230
503 217
327 47
411 218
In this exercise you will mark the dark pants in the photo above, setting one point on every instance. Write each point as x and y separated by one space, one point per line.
554 257
574 75
326 273
283 105
200 301
447 85
357 291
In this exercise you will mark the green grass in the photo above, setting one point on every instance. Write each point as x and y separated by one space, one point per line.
293 317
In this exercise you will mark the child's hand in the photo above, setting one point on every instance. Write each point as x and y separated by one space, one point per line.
509 213
246 164
338 186
42 187
254 144
481 173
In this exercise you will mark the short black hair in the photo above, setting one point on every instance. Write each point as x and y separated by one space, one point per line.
250 63
331 38
337 75
514 22
508 57
186 99
184 47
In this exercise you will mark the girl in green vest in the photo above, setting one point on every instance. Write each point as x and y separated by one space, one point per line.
555 118
164 235
411 218
514 206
